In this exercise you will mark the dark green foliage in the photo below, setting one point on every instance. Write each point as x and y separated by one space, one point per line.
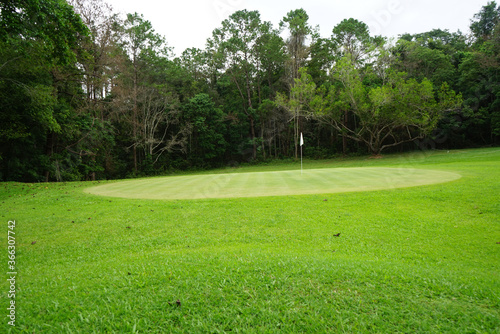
206 143
420 62
485 21
51 21
34 60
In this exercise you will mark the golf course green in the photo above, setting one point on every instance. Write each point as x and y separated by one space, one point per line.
410 257
276 183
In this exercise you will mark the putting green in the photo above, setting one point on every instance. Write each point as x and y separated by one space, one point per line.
282 183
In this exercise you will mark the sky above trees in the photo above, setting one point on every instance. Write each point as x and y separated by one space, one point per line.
187 24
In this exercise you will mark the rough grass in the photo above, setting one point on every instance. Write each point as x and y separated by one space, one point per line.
420 259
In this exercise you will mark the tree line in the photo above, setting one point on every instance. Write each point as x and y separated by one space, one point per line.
88 94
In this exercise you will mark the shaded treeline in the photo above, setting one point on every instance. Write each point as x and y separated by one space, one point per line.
88 94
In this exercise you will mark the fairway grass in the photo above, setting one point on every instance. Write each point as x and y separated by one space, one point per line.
277 183
419 259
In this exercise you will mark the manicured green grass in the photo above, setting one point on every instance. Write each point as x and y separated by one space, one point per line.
418 259
277 183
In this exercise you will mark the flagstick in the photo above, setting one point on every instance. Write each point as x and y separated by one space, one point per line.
301 144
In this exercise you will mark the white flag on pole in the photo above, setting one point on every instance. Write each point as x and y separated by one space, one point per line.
301 143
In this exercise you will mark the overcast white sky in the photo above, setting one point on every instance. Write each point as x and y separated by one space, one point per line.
188 23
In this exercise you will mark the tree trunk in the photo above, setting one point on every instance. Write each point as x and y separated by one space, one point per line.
252 131
49 151
296 134
92 175
250 107
262 141
344 137
134 118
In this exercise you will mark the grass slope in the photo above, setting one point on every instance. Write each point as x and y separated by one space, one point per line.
420 259
277 183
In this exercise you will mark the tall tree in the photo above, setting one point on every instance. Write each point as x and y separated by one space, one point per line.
159 113
207 144
479 81
97 51
270 57
234 45
299 103
144 49
98 67
38 43
351 38
52 22
270 52
194 66
399 111
299 29
485 21
420 62
322 58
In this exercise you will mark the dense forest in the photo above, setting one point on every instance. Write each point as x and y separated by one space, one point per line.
88 94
